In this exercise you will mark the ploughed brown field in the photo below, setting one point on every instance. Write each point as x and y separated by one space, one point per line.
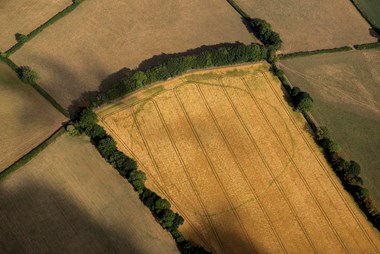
313 24
27 118
69 200
79 52
238 164
23 16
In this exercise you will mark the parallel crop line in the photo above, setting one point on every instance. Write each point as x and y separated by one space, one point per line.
250 185
280 188
159 186
210 162
295 166
326 171
185 169
232 154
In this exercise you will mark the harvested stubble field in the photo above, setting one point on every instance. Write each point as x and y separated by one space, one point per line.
26 117
23 16
109 36
311 25
234 160
69 200
346 91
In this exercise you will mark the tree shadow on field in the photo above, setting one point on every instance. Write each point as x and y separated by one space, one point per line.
38 219
375 33
118 76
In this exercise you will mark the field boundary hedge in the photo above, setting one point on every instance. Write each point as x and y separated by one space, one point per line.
85 122
367 46
366 17
315 52
25 38
31 154
38 88
347 171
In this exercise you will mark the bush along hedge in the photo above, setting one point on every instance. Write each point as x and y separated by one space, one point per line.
175 66
315 52
367 46
347 171
85 121
22 39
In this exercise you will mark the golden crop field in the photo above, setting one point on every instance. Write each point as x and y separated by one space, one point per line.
311 25
23 16
238 164
26 117
345 87
100 38
70 200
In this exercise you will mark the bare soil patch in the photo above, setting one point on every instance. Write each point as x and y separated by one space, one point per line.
69 200
27 118
233 158
311 25
100 38
23 16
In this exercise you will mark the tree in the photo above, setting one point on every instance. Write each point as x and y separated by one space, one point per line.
304 102
160 205
21 38
138 178
139 78
323 132
330 146
72 130
27 74
107 147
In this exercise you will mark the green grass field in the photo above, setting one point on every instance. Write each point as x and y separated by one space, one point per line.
370 8
346 91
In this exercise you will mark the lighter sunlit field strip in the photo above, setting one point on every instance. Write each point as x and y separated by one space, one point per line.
232 158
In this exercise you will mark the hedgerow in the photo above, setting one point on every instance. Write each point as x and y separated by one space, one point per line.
347 171
22 39
85 121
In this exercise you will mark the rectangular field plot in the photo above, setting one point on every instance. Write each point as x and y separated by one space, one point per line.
346 90
70 200
111 36
27 118
313 24
237 163
23 16
371 8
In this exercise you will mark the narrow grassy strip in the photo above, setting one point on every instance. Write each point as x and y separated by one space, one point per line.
38 88
375 26
33 153
315 52
39 29
367 46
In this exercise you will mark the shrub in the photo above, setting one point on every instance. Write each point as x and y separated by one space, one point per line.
27 74
263 31
70 128
21 38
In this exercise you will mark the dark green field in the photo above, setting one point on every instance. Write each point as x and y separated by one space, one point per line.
371 8
346 92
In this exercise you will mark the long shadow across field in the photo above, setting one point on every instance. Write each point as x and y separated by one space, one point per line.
144 65
38 219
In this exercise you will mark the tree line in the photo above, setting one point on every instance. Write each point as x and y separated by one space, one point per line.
85 121
347 171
